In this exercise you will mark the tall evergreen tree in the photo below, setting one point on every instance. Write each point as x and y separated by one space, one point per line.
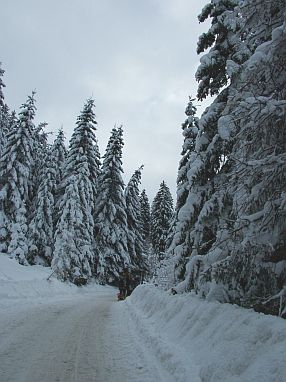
190 131
145 212
111 230
78 177
84 142
73 251
236 237
161 218
134 224
200 201
40 150
15 183
227 50
251 266
2 85
59 155
41 228
4 114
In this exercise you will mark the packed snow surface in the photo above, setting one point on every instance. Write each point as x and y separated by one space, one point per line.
50 331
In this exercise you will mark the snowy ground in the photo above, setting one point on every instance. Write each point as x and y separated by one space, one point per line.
50 332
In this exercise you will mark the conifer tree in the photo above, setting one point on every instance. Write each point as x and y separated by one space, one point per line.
2 85
190 131
41 228
16 183
251 266
145 212
235 241
134 224
40 150
79 185
4 114
84 142
73 249
59 155
227 50
161 218
111 230
201 201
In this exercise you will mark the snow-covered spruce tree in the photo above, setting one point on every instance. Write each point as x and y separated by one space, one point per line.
197 219
254 272
79 177
161 218
176 239
41 147
204 163
111 230
135 240
41 228
2 117
198 208
73 249
190 131
145 217
40 150
15 183
84 142
59 156
227 50
2 85
4 114
244 261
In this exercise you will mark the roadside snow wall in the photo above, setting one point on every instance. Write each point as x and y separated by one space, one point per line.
209 341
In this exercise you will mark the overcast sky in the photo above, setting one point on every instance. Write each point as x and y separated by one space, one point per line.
137 58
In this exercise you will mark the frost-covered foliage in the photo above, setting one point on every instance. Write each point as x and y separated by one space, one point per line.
40 151
190 131
134 223
2 85
111 231
41 228
260 18
231 243
84 142
195 228
227 50
4 114
73 250
58 209
16 168
145 217
76 215
161 218
59 155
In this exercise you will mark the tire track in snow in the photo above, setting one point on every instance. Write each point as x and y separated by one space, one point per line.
90 338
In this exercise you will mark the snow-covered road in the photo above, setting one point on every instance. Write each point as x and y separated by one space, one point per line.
74 338
53 331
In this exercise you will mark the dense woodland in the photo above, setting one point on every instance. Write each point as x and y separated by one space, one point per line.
226 238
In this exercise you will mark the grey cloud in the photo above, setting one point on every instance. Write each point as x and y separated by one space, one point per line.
137 58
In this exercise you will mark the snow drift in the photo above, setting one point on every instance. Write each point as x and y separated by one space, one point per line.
186 338
218 342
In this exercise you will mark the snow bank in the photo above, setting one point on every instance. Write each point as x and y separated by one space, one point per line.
30 282
209 341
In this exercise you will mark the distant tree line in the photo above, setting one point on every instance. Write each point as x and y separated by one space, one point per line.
64 208
226 237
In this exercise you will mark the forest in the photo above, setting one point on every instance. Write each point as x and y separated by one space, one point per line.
225 238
